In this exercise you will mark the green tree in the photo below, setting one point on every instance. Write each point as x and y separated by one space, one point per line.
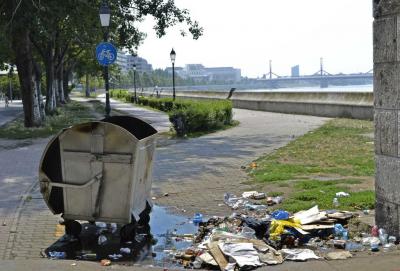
53 27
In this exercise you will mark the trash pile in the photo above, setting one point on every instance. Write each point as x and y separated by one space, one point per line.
253 237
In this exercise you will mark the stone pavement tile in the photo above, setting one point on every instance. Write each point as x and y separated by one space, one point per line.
35 231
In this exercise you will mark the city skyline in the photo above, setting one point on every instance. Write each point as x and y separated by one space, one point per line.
298 35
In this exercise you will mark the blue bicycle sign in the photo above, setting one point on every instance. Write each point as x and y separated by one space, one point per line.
106 53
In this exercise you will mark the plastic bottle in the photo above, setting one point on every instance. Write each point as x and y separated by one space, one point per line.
197 218
57 254
383 236
335 203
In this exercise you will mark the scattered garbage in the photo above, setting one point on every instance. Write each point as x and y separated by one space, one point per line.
335 203
57 255
253 195
125 250
252 236
342 195
105 262
280 215
101 240
299 254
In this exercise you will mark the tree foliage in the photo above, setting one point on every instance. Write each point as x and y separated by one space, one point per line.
60 36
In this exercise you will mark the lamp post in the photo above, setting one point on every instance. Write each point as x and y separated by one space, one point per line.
134 80
105 15
10 74
173 56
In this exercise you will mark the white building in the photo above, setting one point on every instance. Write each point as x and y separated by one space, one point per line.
142 66
122 61
198 72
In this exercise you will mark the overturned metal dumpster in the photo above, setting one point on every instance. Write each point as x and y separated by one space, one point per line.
100 171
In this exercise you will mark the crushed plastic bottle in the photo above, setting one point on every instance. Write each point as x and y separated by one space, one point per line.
340 232
57 255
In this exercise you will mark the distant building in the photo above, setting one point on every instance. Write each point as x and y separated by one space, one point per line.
122 61
198 72
295 71
224 74
178 71
142 66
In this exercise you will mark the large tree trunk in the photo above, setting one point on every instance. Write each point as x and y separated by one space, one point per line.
50 97
22 49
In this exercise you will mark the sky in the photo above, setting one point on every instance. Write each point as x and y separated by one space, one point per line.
246 34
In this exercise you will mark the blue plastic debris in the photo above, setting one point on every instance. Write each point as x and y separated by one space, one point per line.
280 215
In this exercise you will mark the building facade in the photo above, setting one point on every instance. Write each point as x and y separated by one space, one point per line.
198 72
122 61
142 66
126 61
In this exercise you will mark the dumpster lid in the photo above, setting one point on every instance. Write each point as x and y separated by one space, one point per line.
139 128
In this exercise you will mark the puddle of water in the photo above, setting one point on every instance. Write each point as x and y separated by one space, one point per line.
152 244
165 227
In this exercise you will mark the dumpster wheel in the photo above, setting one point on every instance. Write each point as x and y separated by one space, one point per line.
73 227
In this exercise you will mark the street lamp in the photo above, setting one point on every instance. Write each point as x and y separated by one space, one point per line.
105 15
173 56
10 75
134 80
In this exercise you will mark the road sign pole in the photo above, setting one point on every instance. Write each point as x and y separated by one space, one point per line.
106 78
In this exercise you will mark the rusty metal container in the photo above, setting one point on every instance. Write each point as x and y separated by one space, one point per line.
100 171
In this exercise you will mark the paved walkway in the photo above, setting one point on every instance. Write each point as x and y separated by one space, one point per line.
11 112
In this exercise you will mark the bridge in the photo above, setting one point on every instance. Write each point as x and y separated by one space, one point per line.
322 77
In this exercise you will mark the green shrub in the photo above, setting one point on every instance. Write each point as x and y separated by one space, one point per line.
187 116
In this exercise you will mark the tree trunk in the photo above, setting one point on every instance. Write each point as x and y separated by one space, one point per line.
50 99
60 83
66 74
38 86
23 55
87 88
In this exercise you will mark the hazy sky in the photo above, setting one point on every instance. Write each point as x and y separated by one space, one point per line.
246 34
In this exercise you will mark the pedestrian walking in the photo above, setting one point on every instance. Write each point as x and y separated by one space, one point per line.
6 101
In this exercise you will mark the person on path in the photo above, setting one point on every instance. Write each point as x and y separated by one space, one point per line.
6 101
